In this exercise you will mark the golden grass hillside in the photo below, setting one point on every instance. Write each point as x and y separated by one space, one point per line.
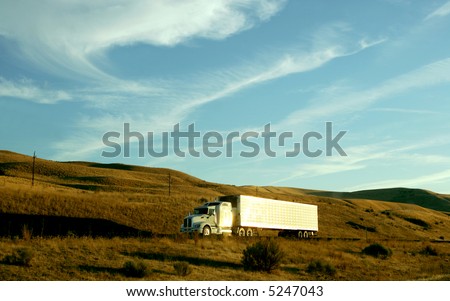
216 259
139 197
421 197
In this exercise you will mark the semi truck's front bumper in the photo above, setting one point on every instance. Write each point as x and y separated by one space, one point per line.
189 229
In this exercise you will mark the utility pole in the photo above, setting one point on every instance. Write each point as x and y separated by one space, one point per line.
170 183
32 168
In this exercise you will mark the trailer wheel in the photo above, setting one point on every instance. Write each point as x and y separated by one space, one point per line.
249 232
241 232
305 234
206 231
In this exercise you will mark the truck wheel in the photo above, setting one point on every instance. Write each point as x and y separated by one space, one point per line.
241 232
206 231
249 232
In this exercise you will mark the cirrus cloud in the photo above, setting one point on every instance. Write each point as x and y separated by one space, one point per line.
67 35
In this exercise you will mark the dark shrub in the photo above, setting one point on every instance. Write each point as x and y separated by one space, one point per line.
135 269
429 250
388 213
21 257
320 267
377 250
264 255
182 268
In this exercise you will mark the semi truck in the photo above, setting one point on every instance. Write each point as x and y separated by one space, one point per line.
245 215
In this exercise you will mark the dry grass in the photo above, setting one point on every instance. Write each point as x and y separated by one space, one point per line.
138 197
217 259
149 213
163 214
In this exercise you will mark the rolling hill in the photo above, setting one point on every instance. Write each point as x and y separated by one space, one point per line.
156 199
420 197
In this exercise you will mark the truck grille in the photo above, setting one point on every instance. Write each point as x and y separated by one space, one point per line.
187 222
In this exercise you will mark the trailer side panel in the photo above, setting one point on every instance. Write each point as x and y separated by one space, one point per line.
273 214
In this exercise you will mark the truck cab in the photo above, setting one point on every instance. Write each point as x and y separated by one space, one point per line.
210 218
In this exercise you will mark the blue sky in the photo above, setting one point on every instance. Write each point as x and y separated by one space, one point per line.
71 71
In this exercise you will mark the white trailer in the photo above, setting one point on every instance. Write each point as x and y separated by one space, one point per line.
248 215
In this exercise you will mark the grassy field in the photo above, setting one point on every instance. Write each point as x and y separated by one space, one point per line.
407 221
220 259
338 218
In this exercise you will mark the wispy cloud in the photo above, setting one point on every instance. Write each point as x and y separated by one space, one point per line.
330 42
442 11
68 39
357 159
363 156
174 102
66 36
76 32
405 111
433 74
291 63
29 90
421 181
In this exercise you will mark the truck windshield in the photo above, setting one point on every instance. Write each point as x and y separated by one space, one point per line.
201 210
